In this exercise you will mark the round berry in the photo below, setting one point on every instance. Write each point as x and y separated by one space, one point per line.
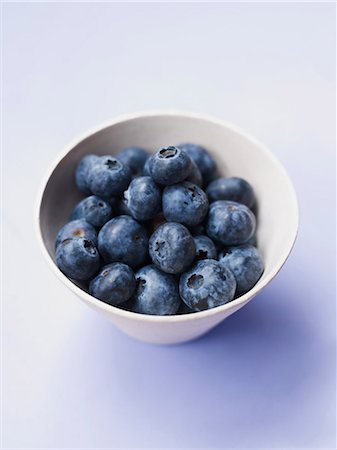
231 188
169 165
206 285
123 239
172 248
230 223
246 264
185 203
82 171
134 158
143 198
94 210
76 229
77 258
156 293
115 284
203 160
108 177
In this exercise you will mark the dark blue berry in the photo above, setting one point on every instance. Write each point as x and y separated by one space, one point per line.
206 285
185 203
108 177
143 198
203 160
82 171
246 264
134 158
231 188
172 248
170 165
230 223
115 284
123 239
76 229
94 210
156 293
77 258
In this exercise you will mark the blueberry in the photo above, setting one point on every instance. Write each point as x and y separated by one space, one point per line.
108 177
76 229
123 239
231 188
185 203
203 160
134 158
246 264
143 198
169 165
77 258
195 176
94 210
230 223
115 284
172 248
206 285
156 293
82 170
205 248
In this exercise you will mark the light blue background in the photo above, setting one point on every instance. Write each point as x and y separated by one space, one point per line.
265 378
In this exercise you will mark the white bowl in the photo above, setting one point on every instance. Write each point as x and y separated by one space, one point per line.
236 154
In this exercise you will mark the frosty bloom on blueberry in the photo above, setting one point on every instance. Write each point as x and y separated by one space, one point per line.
185 203
187 230
172 248
169 165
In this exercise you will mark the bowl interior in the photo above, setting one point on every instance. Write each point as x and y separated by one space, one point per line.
235 153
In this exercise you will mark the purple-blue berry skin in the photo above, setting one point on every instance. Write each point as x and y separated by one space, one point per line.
77 258
231 188
108 177
76 229
143 198
123 239
185 203
172 248
203 160
246 264
195 176
94 210
156 293
82 171
204 248
134 158
170 165
206 285
114 284
230 223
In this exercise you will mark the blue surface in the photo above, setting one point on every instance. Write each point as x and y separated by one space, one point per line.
265 378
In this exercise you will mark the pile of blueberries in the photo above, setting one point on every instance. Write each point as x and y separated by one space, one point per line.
161 234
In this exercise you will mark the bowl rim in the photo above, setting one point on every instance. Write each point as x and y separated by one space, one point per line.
124 314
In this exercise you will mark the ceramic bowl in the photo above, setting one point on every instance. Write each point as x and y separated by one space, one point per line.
236 154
